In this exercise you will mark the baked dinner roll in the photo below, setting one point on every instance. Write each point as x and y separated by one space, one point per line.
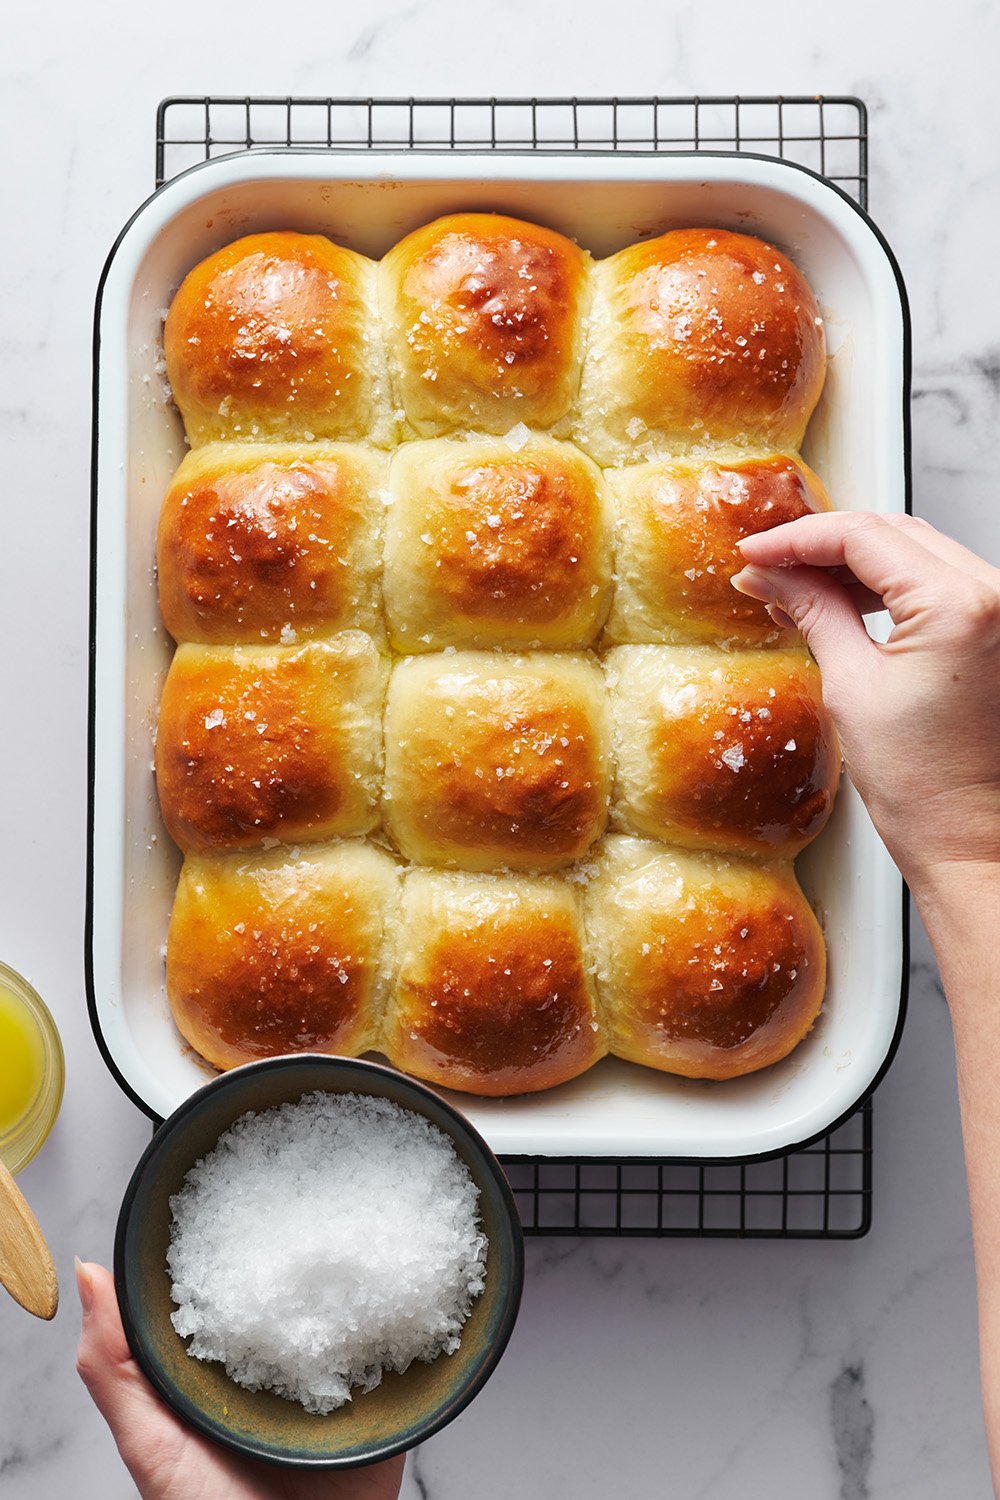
401 644
275 337
270 742
699 337
485 547
492 992
483 317
705 966
260 542
496 760
718 749
280 952
677 526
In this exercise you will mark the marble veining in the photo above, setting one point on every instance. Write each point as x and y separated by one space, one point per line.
713 1370
853 1426
416 1475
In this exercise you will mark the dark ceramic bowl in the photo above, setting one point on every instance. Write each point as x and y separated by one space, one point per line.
405 1408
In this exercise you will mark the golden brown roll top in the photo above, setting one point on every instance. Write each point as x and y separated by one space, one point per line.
699 337
280 952
707 967
496 760
704 362
725 750
489 547
272 542
483 319
275 338
495 984
492 993
270 742
677 525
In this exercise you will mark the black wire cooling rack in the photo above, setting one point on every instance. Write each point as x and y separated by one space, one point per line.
822 1191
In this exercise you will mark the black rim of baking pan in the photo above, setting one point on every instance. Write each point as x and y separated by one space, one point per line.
862 1101
188 1410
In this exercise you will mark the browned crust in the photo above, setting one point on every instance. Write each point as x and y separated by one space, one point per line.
289 963
269 332
486 308
726 996
687 521
535 525
246 549
722 334
496 1003
515 774
250 748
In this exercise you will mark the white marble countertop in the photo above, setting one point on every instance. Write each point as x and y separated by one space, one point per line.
702 1370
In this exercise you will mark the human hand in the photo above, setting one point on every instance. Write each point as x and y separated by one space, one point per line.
919 717
167 1459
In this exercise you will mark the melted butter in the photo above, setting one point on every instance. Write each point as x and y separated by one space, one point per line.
22 1061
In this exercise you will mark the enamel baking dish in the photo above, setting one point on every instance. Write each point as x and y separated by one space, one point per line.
857 442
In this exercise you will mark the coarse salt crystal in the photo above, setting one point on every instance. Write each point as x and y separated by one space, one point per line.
516 438
309 1303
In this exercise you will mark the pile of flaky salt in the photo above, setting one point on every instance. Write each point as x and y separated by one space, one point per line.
322 1243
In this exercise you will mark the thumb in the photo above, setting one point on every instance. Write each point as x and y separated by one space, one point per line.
821 608
104 1361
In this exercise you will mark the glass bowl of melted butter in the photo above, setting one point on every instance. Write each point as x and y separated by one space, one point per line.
31 1071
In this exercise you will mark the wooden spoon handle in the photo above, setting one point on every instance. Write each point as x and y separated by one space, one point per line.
26 1268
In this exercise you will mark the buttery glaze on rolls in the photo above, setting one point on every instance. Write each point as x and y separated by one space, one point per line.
492 993
281 952
677 525
707 967
270 742
699 337
567 649
722 749
271 542
483 320
275 338
496 760
489 547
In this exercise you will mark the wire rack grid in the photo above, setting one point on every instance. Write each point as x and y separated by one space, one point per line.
824 1190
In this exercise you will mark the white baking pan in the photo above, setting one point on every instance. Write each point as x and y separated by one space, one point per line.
857 441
